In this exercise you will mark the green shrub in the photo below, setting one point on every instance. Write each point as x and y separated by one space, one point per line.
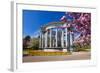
82 48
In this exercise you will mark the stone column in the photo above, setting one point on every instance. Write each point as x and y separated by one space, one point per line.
71 41
46 35
66 36
62 38
70 38
68 41
56 37
50 37
40 41
53 42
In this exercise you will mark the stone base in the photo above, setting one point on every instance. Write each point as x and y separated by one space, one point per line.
64 50
53 50
50 50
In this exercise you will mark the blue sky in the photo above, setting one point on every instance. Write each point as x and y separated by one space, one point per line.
34 19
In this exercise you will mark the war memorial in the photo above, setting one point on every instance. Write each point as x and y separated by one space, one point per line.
55 35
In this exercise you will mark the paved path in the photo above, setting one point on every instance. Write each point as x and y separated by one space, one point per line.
74 56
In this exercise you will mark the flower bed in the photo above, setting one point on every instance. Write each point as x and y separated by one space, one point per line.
43 53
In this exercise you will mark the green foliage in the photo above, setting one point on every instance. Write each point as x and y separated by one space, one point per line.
30 43
35 44
26 42
78 48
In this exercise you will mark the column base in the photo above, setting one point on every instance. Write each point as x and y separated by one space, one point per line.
64 50
50 50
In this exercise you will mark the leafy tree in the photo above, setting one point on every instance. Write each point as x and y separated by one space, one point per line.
35 43
26 42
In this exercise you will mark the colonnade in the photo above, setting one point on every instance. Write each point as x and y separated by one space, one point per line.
48 40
